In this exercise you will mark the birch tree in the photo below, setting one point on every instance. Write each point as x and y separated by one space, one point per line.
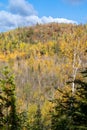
73 49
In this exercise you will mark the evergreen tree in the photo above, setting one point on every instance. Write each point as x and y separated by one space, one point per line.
1 111
81 113
63 111
37 125
70 111
8 100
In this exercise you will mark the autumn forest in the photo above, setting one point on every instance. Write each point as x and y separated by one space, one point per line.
43 78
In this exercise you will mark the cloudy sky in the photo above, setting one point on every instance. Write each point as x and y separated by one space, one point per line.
19 13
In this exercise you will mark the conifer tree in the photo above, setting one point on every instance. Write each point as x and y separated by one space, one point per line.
38 119
80 117
70 111
63 111
8 100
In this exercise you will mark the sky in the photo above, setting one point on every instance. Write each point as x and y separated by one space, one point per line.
20 13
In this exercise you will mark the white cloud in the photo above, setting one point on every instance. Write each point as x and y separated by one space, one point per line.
21 7
57 20
19 16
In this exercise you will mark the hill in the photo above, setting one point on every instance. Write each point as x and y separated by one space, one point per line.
41 33
43 58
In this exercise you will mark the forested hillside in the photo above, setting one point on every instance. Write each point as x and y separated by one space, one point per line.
49 88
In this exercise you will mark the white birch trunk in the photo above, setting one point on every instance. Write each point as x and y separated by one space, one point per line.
75 69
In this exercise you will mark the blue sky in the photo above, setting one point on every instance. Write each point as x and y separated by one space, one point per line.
17 13
70 9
